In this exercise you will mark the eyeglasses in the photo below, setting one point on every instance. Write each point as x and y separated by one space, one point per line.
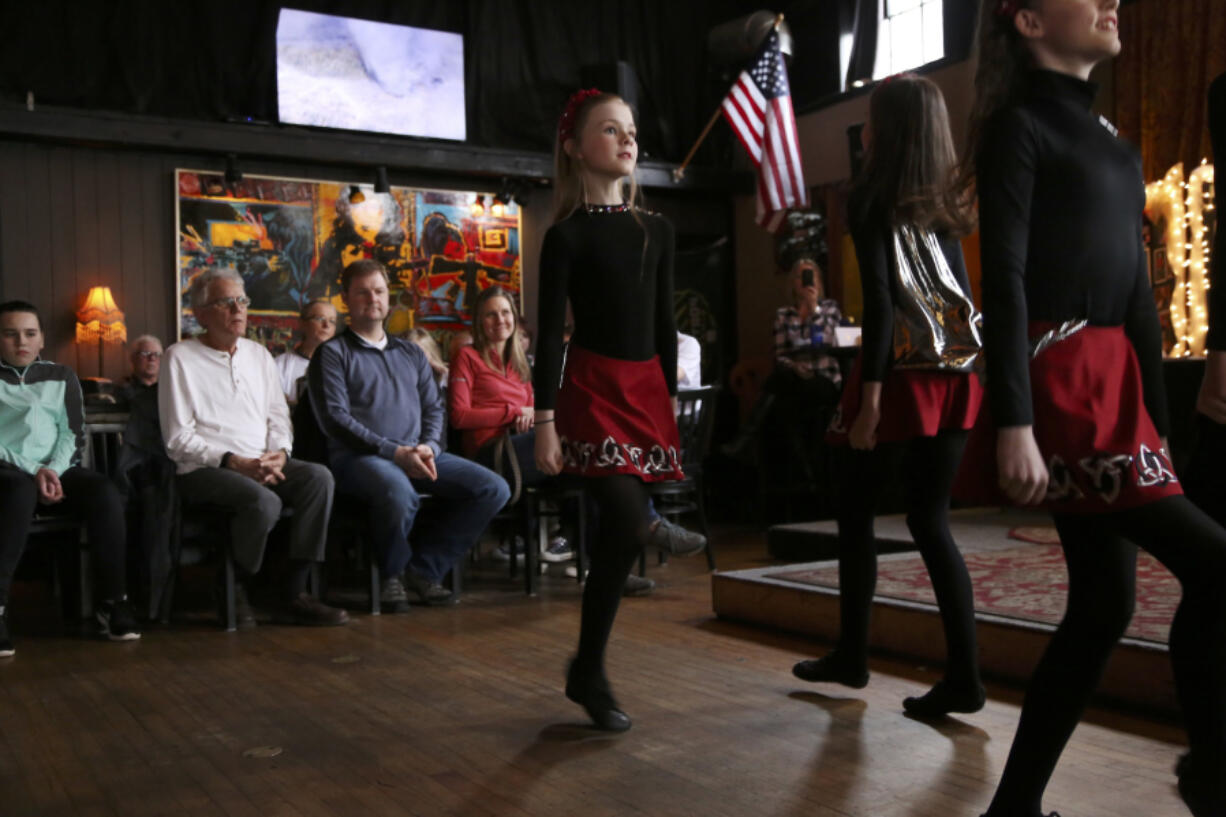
242 302
322 321
149 355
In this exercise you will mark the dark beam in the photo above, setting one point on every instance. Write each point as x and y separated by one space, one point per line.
293 143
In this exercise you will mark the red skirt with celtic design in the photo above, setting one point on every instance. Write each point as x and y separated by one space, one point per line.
1102 451
615 417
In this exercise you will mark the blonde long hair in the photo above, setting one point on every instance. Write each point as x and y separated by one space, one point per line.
568 192
512 352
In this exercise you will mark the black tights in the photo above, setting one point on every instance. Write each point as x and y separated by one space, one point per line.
928 466
1102 584
621 501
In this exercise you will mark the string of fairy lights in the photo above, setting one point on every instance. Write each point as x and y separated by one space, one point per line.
1185 203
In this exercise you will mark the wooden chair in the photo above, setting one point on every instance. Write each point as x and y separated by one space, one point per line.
527 510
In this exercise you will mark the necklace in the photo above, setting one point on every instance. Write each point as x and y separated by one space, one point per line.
606 208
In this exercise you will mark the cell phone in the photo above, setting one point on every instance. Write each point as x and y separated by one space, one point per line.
806 277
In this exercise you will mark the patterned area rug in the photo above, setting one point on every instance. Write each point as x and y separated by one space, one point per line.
1028 583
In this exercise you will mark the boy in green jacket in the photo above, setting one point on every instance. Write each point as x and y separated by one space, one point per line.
41 432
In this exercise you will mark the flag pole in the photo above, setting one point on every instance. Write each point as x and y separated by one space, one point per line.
679 171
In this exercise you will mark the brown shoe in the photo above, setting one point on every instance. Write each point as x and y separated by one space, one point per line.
311 612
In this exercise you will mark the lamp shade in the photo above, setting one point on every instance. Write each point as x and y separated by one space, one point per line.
100 319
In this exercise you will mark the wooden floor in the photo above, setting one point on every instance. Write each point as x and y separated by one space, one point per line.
459 711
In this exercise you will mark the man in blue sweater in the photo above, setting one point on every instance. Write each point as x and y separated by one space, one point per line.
375 398
41 434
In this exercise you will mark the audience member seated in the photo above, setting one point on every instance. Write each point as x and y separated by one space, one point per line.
145 357
376 399
145 475
459 339
316 324
429 345
41 432
806 379
227 429
491 393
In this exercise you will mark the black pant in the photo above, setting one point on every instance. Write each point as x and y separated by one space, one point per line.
1204 480
621 502
927 466
1101 561
89 497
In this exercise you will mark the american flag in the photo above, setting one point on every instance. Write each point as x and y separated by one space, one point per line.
759 109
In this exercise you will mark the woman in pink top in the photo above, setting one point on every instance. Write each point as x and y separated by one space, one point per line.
490 387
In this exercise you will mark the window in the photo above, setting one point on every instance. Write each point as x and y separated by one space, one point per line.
910 33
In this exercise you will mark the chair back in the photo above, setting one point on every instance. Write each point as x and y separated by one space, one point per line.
695 422
310 442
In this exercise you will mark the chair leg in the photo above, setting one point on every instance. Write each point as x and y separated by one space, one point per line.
457 578
581 548
228 568
376 602
702 523
532 553
86 579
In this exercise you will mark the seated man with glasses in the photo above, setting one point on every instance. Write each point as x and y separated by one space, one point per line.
227 429
316 324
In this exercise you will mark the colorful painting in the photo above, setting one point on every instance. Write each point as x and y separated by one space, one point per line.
289 240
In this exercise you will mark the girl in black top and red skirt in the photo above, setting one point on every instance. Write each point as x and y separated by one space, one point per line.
912 393
1078 415
611 421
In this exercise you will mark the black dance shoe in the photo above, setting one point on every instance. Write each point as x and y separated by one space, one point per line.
945 698
594 695
831 669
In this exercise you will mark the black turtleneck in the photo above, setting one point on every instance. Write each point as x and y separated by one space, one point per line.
1216 339
1060 204
617 272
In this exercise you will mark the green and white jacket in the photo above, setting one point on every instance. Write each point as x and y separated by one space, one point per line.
42 419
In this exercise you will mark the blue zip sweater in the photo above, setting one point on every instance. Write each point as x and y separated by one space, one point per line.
371 401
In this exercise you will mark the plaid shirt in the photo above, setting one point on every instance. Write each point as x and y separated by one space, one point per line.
794 339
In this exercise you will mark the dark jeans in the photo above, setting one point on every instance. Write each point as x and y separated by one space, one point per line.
467 495
254 509
89 497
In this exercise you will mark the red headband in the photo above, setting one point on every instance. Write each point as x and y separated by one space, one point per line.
1007 8
566 125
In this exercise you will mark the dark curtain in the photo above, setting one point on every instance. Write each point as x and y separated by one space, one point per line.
216 60
1172 50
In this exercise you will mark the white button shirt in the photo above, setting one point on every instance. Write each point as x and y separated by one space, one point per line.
211 402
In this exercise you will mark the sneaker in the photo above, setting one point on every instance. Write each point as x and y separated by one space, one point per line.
116 621
427 592
311 612
502 553
559 550
676 540
392 598
6 643
637 585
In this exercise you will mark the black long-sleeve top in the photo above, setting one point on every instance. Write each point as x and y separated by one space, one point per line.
872 234
621 293
1216 339
1060 205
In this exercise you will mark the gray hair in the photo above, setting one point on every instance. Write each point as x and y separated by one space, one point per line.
132 347
199 291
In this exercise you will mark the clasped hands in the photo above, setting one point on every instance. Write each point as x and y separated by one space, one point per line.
417 461
266 469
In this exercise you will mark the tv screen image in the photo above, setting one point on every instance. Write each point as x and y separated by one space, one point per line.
342 72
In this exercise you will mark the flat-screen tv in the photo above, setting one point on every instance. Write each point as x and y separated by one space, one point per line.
342 72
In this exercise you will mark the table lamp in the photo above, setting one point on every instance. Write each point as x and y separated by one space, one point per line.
101 320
